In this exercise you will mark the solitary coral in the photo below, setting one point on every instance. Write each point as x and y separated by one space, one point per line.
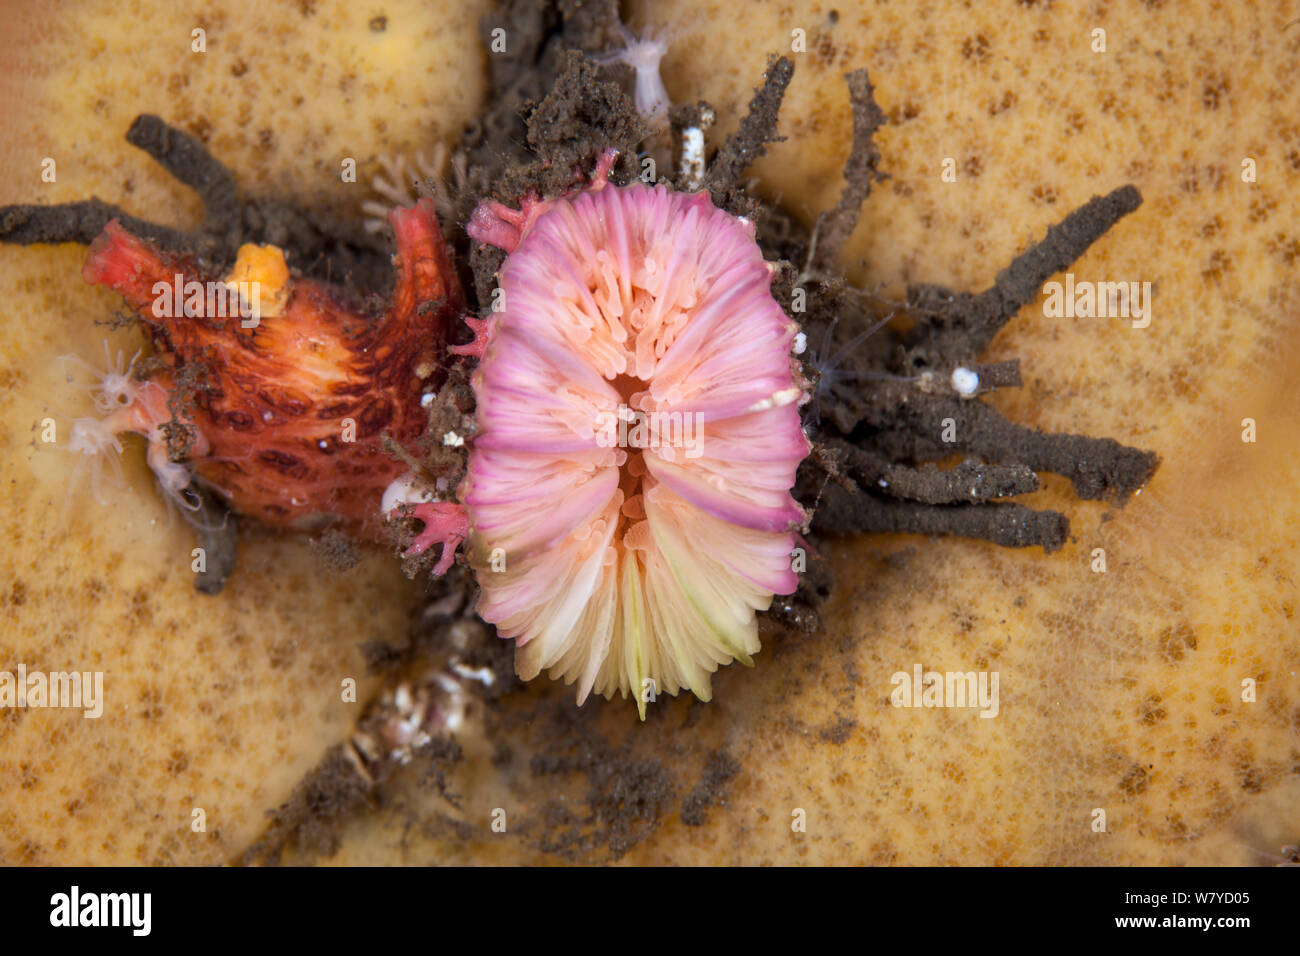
629 487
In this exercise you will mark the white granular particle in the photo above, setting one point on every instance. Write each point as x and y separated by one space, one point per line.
965 382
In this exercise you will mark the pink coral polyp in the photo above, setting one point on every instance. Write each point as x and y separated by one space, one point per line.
629 487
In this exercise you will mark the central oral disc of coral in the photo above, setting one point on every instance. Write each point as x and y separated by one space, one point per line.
629 487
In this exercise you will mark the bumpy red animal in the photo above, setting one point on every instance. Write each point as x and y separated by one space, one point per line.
283 388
